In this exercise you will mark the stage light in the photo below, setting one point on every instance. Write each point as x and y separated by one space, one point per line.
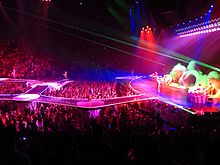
196 19
201 28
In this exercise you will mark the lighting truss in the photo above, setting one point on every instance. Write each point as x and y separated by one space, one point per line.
201 28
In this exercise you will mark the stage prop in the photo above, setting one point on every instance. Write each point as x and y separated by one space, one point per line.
200 87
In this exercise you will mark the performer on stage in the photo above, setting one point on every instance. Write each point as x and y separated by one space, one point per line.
159 83
155 74
210 89
14 73
65 74
159 80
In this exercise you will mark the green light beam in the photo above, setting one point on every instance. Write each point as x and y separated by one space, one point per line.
123 5
100 35
117 40
177 55
118 17
95 42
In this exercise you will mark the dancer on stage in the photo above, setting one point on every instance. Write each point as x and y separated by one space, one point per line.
65 74
159 83
210 89
159 79
14 73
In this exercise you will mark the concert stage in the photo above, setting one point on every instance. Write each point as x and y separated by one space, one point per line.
175 96
145 87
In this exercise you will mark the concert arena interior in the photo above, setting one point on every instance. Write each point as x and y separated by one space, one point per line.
109 81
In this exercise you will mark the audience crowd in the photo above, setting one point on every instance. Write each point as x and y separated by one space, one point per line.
131 133
13 87
92 89
22 62
147 132
83 89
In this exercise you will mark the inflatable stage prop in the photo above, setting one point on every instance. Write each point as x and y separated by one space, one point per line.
201 87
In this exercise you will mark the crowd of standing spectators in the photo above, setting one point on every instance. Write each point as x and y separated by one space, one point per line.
148 132
131 133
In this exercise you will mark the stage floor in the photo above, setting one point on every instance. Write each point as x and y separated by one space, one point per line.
144 86
173 95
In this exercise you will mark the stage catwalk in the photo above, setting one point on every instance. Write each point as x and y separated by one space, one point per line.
146 87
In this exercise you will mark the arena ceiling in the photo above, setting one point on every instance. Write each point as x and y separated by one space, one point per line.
84 18
165 13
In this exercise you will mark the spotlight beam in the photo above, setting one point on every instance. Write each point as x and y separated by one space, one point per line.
177 56
92 41
119 41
